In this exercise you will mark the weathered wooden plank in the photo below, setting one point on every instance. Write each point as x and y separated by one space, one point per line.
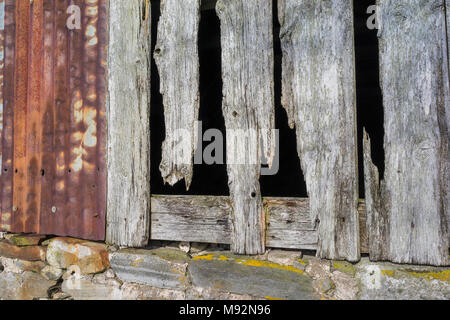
128 113
318 93
208 219
248 109
176 56
414 79
377 219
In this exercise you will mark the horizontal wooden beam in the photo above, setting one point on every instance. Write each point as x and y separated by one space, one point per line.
208 219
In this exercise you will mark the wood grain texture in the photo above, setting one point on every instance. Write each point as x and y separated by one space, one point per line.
208 219
414 79
318 93
128 217
176 56
248 109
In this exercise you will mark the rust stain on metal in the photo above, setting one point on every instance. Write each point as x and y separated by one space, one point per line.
54 127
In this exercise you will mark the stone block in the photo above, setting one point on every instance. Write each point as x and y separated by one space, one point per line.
30 253
90 257
161 268
247 276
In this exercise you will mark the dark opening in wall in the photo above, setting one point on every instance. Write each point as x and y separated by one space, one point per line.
207 179
370 113
289 181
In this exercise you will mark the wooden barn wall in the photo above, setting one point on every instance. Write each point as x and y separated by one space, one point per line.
53 137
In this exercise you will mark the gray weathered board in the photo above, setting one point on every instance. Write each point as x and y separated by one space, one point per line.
128 113
318 93
248 109
208 219
407 210
176 56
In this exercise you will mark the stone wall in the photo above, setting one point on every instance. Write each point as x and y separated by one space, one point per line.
34 267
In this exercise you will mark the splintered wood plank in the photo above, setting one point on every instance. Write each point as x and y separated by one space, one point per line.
128 217
318 93
208 219
413 197
248 109
176 56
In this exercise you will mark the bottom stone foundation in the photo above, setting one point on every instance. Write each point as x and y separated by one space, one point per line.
34 267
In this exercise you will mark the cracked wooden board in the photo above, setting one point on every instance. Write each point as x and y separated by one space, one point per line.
129 127
177 59
413 195
318 93
248 109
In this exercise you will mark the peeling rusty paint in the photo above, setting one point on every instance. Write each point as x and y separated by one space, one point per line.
52 121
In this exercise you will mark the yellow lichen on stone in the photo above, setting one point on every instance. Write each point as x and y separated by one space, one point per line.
441 276
260 263
208 257
249 262
389 273
274 299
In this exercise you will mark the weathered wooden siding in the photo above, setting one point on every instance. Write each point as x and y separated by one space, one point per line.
176 55
318 94
412 198
129 123
248 109
208 219
53 138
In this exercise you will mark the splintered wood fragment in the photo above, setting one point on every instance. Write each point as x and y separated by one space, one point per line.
415 84
376 218
248 109
176 56
208 219
318 93
128 217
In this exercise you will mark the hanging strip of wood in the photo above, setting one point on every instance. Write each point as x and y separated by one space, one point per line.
413 195
248 109
176 56
318 93
128 216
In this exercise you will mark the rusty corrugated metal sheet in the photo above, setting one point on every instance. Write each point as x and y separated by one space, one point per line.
54 125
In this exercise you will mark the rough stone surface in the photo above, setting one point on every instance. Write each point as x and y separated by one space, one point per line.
25 286
133 291
318 268
90 257
346 286
20 266
198 293
51 272
81 288
398 282
284 257
163 268
244 275
26 240
31 253
169 273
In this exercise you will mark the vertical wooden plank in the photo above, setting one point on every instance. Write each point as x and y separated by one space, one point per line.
176 56
128 114
414 78
318 93
248 109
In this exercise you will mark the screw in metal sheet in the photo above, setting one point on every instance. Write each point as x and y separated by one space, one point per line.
54 209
